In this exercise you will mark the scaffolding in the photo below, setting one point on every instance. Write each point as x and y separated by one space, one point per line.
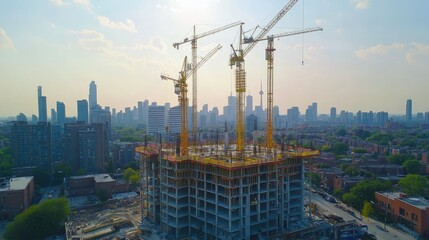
212 195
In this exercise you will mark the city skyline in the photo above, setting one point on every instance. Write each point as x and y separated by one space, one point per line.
362 52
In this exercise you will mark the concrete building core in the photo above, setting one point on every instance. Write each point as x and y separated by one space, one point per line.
212 195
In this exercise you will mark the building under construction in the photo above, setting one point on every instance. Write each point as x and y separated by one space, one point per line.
211 195
230 191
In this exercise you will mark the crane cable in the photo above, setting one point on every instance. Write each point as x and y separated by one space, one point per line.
302 44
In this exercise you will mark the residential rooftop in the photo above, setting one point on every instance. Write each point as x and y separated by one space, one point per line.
418 202
19 183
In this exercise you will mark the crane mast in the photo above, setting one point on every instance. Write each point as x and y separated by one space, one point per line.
269 56
237 59
193 41
181 88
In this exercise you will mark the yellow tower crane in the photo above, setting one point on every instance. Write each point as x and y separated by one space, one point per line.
181 89
269 56
237 59
193 41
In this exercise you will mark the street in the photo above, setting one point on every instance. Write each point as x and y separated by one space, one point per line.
330 208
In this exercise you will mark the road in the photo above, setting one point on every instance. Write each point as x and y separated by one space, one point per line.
330 208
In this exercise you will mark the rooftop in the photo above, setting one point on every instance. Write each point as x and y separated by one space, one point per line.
215 155
19 183
418 202
103 178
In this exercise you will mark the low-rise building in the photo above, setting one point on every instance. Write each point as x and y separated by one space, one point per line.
15 196
90 184
411 212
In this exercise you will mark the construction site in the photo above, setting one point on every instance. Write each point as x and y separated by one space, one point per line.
235 187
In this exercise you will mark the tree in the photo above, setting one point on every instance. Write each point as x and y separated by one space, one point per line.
134 180
414 184
367 209
341 132
365 191
340 148
412 166
399 158
352 171
39 221
6 162
128 173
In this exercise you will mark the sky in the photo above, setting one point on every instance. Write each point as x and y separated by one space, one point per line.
372 55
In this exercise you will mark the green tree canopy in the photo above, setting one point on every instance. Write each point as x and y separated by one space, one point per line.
380 138
39 221
341 132
352 171
414 185
367 209
412 166
134 180
340 148
128 173
6 162
365 191
399 158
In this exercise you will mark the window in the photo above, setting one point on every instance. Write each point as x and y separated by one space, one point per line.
401 211
414 217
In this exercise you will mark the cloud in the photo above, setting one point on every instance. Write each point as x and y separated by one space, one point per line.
417 50
377 50
59 3
155 43
5 41
85 3
320 22
128 25
92 40
361 4
161 6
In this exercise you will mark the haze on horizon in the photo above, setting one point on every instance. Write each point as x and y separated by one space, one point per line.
371 55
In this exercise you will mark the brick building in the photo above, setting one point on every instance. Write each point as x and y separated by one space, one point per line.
15 196
412 212
90 184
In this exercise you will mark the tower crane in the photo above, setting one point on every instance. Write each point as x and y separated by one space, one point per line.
269 56
237 59
181 89
193 41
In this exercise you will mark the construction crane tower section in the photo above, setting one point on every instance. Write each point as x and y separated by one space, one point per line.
181 88
237 59
269 56
193 41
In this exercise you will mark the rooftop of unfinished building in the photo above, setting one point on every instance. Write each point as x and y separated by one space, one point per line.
216 155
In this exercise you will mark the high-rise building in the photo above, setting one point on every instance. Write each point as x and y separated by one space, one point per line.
174 120
31 145
207 197
156 119
43 115
61 113
85 146
140 114
21 117
249 104
293 115
409 111
82 110
92 95
333 115
53 116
